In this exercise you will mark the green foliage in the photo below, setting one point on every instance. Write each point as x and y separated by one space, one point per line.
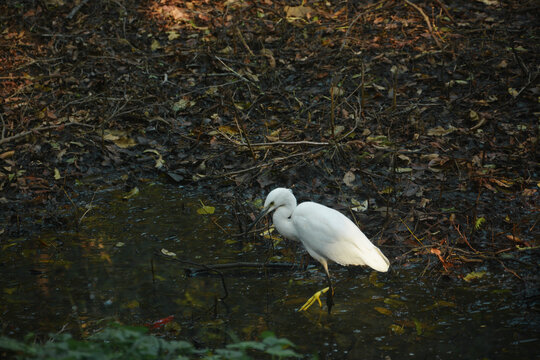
125 342
478 223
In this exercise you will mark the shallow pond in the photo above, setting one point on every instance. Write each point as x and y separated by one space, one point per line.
111 269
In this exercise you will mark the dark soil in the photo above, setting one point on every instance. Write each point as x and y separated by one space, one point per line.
428 111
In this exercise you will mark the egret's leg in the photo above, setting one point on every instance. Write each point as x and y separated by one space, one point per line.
330 296
311 300
317 295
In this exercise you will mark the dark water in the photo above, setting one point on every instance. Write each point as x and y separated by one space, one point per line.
109 270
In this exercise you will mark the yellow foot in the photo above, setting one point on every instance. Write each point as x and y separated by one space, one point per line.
315 297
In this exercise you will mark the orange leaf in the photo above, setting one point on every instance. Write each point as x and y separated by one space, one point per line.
514 238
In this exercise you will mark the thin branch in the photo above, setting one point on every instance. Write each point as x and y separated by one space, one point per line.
208 268
76 9
241 131
242 264
40 128
3 128
412 233
244 41
274 143
426 19
367 8
446 11
272 162
234 72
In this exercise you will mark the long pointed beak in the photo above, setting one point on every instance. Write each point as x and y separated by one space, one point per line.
259 217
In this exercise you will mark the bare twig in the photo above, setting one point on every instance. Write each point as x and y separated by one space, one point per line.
208 268
426 19
76 9
244 41
89 207
272 162
520 62
234 72
463 237
510 270
40 128
241 131
332 110
3 128
274 143
446 11
239 265
412 233
367 8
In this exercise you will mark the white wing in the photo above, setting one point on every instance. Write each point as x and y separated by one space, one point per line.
328 234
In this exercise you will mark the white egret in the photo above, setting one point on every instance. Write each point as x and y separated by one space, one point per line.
327 235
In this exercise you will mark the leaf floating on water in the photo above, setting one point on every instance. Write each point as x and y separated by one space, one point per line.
248 247
10 291
132 193
373 280
206 210
394 302
276 258
474 275
383 311
439 303
396 329
133 304
445 303
167 252
106 257
419 326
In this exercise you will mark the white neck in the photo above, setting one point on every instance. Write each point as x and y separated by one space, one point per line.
282 219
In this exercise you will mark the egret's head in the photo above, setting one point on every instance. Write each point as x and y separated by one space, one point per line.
276 198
